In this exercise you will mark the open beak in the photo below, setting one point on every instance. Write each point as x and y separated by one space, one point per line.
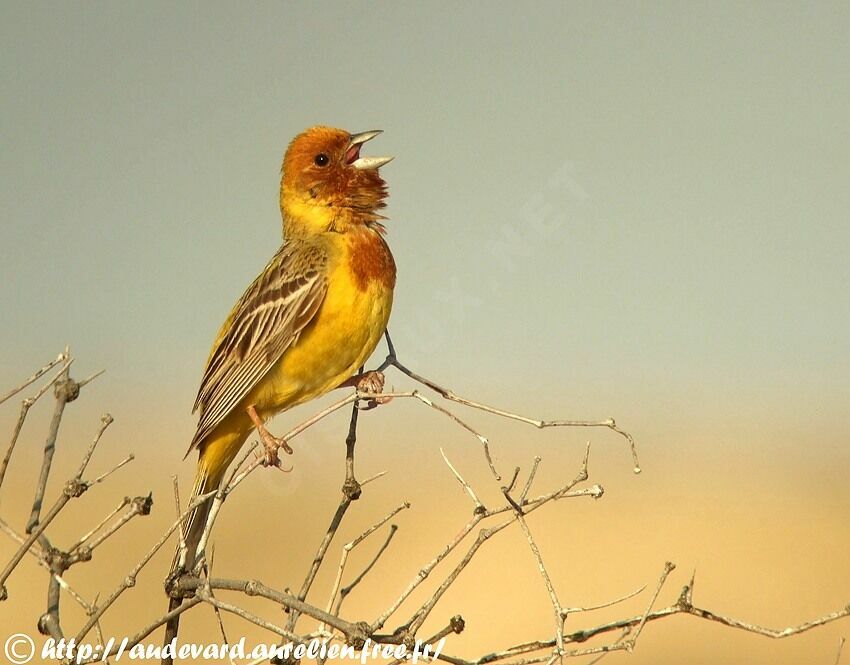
352 152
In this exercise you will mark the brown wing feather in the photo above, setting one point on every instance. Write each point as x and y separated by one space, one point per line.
265 322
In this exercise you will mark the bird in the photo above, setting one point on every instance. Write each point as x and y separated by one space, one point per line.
310 319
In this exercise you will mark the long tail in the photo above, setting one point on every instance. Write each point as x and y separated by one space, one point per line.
214 458
207 479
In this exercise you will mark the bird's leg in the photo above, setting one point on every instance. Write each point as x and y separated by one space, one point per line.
270 442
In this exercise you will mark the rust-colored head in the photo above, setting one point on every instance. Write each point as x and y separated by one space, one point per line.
326 183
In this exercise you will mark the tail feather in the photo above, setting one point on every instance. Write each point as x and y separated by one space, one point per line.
214 458
194 526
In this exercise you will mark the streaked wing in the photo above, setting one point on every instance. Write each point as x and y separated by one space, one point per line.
265 322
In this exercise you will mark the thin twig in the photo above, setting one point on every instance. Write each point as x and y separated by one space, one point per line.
572 610
547 580
532 473
140 505
484 535
349 546
65 390
100 524
392 360
26 405
205 595
351 490
466 486
669 567
41 558
129 580
63 357
74 488
319 557
343 593
139 636
103 476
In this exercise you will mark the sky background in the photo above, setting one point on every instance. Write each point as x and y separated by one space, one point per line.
637 210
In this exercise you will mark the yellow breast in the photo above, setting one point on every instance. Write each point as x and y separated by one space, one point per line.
345 330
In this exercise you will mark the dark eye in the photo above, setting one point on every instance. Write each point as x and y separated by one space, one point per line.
322 159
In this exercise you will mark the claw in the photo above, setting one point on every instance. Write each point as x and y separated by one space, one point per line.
372 382
270 457
271 443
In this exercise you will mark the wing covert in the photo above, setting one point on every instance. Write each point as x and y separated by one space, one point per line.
265 322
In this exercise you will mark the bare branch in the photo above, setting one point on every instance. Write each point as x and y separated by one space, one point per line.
547 580
530 480
41 559
140 505
343 593
668 568
192 588
142 634
572 610
392 360
26 405
63 357
348 547
64 390
130 580
100 524
466 486
204 594
257 588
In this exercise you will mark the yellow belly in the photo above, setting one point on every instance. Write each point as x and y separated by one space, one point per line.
330 350
343 334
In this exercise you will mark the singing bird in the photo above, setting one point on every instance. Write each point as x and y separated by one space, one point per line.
311 318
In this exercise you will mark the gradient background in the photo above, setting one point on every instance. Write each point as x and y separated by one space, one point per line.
598 209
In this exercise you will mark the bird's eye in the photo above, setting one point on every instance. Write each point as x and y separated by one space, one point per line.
322 159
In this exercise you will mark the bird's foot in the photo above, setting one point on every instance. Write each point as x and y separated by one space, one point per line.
271 443
372 383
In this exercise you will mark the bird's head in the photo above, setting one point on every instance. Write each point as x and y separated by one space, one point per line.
326 184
